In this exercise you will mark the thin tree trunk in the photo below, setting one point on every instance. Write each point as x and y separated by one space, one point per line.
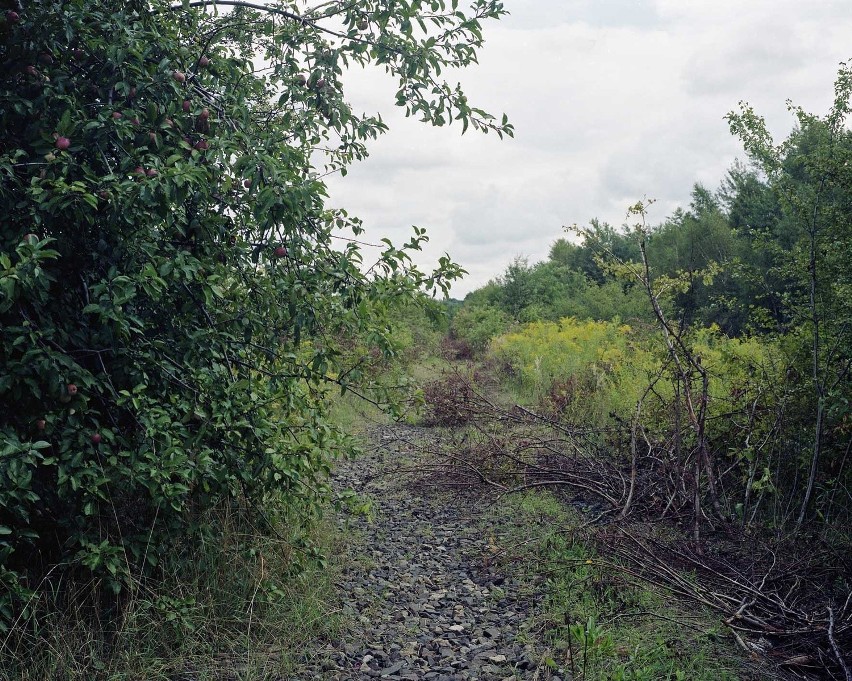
686 370
819 387
696 508
634 463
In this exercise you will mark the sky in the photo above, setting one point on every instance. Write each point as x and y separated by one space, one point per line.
612 101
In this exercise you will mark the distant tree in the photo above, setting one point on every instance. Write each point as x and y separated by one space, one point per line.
490 294
760 278
751 205
688 243
596 239
517 287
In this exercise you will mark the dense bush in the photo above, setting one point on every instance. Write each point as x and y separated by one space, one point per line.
175 298
476 325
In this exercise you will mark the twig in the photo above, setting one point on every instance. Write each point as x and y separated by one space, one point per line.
834 647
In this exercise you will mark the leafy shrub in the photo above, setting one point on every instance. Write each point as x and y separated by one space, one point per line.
173 304
477 325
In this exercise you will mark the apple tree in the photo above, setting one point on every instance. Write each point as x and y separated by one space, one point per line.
176 297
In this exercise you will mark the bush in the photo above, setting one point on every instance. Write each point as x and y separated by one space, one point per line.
476 325
173 304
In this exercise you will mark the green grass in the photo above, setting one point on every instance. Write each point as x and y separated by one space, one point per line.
595 622
354 415
235 608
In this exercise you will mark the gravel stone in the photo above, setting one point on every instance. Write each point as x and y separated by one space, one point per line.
427 604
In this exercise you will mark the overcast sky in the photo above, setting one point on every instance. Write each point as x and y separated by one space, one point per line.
612 101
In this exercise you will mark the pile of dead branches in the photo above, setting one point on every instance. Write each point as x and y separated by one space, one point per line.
792 610
515 448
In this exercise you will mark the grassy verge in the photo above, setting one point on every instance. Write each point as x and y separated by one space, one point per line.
595 621
354 415
235 610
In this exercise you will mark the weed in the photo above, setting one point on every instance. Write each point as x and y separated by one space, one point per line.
237 606
596 623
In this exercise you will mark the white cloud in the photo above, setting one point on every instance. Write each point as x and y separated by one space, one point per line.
611 102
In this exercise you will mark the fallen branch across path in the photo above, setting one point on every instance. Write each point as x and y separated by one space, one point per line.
771 596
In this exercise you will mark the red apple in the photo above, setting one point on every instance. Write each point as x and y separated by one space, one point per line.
151 172
139 170
29 237
320 83
169 123
116 114
135 121
152 136
202 145
179 76
301 79
204 115
72 389
246 183
45 58
204 62
363 25
41 424
280 252
131 93
104 194
187 105
62 143
31 70
13 17
96 438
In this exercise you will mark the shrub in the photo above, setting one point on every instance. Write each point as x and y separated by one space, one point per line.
173 303
476 325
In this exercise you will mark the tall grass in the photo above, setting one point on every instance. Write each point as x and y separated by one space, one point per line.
243 603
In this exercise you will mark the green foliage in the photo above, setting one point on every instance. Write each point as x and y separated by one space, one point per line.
475 326
596 622
809 175
588 368
598 238
570 284
176 300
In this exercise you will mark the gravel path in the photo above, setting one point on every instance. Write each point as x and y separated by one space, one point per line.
424 601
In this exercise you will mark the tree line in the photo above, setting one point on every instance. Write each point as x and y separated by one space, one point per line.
765 258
